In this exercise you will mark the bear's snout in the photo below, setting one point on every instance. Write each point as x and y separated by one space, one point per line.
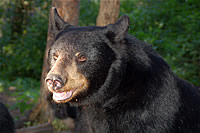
54 81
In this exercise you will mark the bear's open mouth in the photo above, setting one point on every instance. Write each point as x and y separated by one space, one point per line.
67 95
64 96
61 96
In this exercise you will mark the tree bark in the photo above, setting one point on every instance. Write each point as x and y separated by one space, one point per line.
69 11
108 12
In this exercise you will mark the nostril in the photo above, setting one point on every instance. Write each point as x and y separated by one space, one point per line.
57 84
49 83
54 81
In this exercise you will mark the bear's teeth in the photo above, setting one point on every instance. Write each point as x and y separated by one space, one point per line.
62 95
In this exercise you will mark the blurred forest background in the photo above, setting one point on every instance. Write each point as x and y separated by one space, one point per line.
171 26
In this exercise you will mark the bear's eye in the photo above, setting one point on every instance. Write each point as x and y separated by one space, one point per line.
80 57
55 57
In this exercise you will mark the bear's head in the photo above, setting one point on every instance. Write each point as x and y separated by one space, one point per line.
85 61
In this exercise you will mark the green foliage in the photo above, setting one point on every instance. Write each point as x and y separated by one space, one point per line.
26 92
59 125
88 12
31 123
22 47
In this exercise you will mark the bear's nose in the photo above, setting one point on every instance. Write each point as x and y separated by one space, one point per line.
54 82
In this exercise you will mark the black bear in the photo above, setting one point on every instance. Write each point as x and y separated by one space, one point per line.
6 121
120 83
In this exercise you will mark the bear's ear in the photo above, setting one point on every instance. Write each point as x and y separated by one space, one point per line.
57 23
116 32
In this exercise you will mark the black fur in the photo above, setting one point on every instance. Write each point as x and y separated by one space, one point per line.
6 121
132 89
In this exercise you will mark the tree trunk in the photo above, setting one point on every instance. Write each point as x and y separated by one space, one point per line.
108 12
69 11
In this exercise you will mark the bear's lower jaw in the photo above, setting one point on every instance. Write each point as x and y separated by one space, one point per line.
62 96
65 95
